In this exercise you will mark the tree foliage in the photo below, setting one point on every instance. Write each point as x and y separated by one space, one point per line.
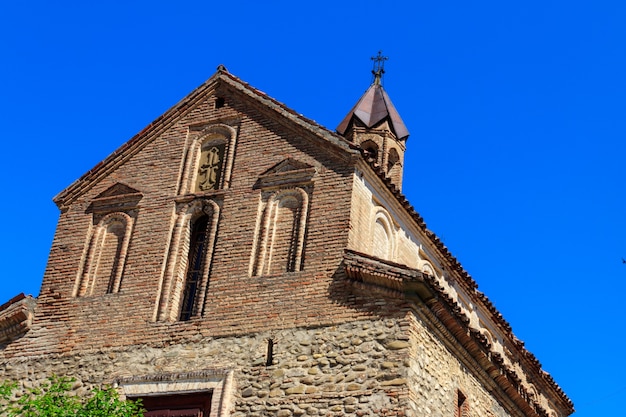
56 399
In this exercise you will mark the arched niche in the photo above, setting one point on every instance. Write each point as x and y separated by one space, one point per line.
209 159
107 246
279 240
382 235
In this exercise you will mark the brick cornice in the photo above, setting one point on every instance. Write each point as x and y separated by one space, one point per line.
16 317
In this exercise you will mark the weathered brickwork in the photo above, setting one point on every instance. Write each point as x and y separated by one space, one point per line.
235 301
318 290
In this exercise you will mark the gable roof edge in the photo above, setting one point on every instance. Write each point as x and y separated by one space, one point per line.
290 114
134 144
64 198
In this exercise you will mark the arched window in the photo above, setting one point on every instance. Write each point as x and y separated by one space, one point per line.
461 406
195 267
284 233
381 240
427 268
186 276
392 159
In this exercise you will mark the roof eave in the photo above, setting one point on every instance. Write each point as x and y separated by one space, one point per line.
424 289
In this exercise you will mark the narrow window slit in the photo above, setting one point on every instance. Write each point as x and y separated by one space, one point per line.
270 353
462 407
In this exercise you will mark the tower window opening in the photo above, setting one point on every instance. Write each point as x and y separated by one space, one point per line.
370 149
392 159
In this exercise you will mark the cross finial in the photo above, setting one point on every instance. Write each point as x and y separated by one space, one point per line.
379 66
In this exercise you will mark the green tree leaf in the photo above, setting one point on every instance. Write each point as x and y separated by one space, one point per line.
55 398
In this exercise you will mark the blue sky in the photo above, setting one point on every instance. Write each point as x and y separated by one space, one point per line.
515 159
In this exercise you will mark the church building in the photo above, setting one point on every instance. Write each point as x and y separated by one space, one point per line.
235 258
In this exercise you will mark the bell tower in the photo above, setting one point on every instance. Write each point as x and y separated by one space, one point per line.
375 125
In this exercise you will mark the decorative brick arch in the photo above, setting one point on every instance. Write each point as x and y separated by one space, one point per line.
171 289
485 332
382 235
279 237
427 268
219 136
102 266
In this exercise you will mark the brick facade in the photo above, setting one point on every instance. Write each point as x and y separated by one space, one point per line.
296 308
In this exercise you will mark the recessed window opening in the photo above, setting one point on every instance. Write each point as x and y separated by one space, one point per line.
195 264
219 102
392 159
371 149
462 407
269 359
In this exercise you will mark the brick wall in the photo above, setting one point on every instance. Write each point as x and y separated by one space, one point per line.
236 302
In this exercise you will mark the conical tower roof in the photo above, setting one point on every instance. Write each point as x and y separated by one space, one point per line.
374 107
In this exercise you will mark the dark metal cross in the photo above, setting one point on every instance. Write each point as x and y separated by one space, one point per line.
379 66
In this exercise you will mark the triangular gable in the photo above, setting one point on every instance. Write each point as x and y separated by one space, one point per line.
116 190
118 197
286 165
287 172
181 109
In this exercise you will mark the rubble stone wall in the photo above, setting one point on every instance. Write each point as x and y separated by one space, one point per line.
435 378
363 368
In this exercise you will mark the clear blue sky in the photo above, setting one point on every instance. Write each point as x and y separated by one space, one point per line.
515 159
